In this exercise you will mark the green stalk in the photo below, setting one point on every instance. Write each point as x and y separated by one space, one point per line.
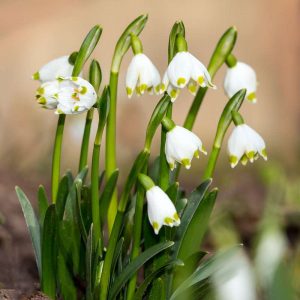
137 232
123 44
164 169
57 155
219 56
95 190
95 78
110 159
233 104
85 140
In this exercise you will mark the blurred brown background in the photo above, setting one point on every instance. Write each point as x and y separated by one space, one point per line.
32 32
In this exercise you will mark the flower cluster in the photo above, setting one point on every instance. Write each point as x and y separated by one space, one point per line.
61 91
184 70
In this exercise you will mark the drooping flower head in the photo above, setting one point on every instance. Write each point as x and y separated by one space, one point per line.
59 67
141 75
240 76
185 70
71 95
161 210
181 145
244 143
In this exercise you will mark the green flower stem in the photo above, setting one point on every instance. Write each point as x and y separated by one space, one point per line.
211 164
85 140
164 178
95 191
237 118
137 233
221 52
110 161
233 104
140 161
57 156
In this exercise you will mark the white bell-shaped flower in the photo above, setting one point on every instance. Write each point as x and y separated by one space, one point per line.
181 145
161 210
241 76
185 70
59 67
71 95
245 144
47 94
142 76
75 95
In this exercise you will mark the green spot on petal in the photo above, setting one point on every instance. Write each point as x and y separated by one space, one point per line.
36 76
168 220
233 160
42 100
83 90
173 93
201 80
186 162
181 81
196 154
40 91
157 88
162 87
176 217
244 160
192 88
74 78
155 226
129 91
76 108
264 154
252 97
143 88
250 155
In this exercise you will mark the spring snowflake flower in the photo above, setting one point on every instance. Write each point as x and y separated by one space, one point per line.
245 144
181 145
47 94
185 70
241 76
142 76
71 95
59 67
161 210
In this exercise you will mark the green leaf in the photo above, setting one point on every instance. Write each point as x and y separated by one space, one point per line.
49 251
107 194
180 205
62 194
198 223
172 191
193 203
32 225
65 281
205 270
178 28
86 49
156 118
137 263
158 290
192 239
161 269
89 261
123 44
42 204
80 222
117 254
103 109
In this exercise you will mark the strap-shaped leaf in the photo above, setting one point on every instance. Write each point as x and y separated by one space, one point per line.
42 204
80 221
205 271
138 262
89 265
158 290
161 269
193 203
49 253
107 194
32 225
62 194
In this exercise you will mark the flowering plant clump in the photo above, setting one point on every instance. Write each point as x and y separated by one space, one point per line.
90 239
